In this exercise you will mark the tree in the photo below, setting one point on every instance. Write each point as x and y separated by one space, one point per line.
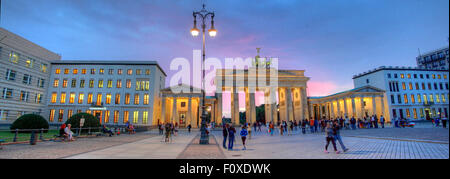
90 121
30 121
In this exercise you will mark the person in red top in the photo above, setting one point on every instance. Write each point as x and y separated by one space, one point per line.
311 125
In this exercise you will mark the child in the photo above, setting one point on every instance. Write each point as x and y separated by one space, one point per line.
244 134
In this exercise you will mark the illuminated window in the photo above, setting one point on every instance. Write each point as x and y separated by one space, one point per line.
415 113
100 83
69 113
410 86
433 76
51 118
14 57
38 98
445 76
138 85
423 86
402 76
60 115
439 76
417 86
431 98
408 113
147 72
111 71
108 98
409 76
438 99
128 83
147 85
403 86
64 85
405 98
443 98
129 71
83 71
146 99
57 71
63 98
56 83
145 117
136 99
66 71
29 63
117 99
92 71
88 111
106 116
413 100
119 71
75 71
82 83
44 68
135 117
54 97
109 83
101 71
91 83
138 72
126 116
127 98
419 98
119 84
425 99
421 113
89 100
99 99
116 117
72 98
80 98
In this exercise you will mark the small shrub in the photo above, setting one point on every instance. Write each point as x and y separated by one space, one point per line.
90 121
30 121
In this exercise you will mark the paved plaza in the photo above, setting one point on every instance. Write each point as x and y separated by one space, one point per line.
388 143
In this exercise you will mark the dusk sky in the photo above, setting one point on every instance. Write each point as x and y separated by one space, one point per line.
331 39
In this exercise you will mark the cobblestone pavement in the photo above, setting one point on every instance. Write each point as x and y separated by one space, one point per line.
150 148
311 146
52 150
425 134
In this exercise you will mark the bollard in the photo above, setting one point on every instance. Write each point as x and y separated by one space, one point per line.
41 136
33 138
15 135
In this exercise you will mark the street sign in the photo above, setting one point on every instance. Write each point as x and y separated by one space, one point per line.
82 122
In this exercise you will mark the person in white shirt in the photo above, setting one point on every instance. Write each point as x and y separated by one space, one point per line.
69 132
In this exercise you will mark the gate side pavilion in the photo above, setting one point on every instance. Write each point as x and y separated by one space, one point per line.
357 102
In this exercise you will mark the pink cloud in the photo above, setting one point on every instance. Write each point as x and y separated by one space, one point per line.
324 88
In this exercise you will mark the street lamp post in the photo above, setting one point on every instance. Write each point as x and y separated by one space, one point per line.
203 15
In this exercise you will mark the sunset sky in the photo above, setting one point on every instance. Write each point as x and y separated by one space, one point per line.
331 39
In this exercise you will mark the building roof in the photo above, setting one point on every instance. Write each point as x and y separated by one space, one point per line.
366 88
381 68
107 62
183 87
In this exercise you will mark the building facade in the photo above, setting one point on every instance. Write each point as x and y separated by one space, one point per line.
412 93
24 76
114 91
435 60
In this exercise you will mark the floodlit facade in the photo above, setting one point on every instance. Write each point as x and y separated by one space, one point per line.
114 91
436 59
24 76
412 93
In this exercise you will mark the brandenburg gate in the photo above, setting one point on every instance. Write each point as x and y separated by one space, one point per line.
288 87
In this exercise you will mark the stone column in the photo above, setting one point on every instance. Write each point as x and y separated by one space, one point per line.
382 106
304 103
163 110
290 112
345 108
174 111
353 107
219 107
332 110
362 107
282 104
338 107
252 107
189 112
374 106
235 106
273 104
267 106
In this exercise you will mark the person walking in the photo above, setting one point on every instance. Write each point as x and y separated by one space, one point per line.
189 128
271 128
337 136
303 123
444 121
330 138
382 121
231 132
244 134
225 135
